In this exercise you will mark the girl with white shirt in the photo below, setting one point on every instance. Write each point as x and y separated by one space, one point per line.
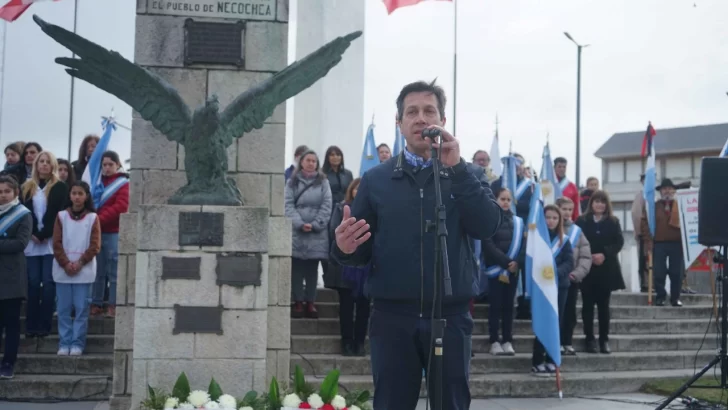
44 194
76 242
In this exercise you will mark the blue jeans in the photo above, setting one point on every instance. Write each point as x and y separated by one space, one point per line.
41 294
107 263
73 297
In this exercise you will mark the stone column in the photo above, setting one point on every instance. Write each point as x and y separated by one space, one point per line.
256 162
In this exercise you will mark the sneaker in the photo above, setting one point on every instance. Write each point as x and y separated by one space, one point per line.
551 368
660 302
540 370
297 310
76 351
569 351
677 303
508 349
591 346
496 349
64 351
110 311
6 371
96 311
311 311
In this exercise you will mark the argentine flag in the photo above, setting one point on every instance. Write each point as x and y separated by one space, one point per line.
550 189
369 156
541 281
399 142
510 178
724 151
648 190
92 174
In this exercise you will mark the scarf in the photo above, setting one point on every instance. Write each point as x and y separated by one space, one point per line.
416 161
308 175
5 208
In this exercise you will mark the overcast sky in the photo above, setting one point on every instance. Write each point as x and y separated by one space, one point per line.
659 60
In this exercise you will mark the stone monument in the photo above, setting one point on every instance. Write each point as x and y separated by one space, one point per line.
204 283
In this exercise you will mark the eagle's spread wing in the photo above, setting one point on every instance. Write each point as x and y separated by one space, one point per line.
144 91
253 107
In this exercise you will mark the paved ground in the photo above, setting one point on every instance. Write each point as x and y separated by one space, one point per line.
613 402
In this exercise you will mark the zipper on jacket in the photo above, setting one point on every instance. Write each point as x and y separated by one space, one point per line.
422 249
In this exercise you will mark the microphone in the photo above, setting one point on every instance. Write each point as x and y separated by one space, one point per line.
431 133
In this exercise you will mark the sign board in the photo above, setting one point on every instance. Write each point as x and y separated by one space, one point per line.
231 9
693 252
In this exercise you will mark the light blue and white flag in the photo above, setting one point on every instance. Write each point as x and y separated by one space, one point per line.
399 142
648 189
550 187
496 167
510 178
541 280
724 151
92 174
369 157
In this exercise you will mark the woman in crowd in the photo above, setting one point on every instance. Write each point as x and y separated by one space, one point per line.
603 231
338 176
23 169
582 264
505 253
76 241
542 363
44 195
308 205
113 202
16 227
65 172
13 152
88 145
349 283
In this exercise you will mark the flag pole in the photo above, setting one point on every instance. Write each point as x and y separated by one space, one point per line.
650 283
558 383
455 69
70 109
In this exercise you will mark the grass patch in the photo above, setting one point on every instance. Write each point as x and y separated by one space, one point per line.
665 387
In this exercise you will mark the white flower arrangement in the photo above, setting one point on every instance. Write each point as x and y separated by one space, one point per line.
338 402
198 398
315 401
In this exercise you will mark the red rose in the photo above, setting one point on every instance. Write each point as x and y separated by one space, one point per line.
327 407
304 405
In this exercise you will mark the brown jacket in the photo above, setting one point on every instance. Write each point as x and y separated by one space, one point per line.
94 245
667 225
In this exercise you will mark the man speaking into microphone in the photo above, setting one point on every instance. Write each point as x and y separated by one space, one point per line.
386 226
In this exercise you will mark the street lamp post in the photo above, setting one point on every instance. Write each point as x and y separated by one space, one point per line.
578 106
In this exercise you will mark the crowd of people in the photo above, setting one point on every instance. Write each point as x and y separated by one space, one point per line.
368 235
58 245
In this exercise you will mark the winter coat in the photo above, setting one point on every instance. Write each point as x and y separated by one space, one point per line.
19 171
110 212
312 207
339 182
13 273
495 249
582 255
604 237
564 262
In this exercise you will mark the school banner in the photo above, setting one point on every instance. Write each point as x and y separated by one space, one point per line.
696 256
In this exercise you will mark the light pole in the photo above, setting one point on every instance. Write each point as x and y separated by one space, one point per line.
578 106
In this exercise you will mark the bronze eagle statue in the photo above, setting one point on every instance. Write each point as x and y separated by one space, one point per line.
207 132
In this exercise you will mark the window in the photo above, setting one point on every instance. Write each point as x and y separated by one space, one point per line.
627 224
615 171
634 170
679 168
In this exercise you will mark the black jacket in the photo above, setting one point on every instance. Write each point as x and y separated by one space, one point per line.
564 262
604 237
339 182
523 205
495 249
13 273
395 199
57 201
19 171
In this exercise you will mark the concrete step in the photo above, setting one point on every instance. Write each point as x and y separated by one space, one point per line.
523 384
320 364
56 388
618 298
49 344
330 310
325 344
96 326
49 363
619 326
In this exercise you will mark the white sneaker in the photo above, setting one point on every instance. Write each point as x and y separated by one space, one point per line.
496 349
75 351
63 351
508 349
551 368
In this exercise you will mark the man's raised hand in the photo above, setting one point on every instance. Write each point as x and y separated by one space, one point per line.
351 233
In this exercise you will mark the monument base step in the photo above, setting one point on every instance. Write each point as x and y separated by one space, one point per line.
50 364
51 388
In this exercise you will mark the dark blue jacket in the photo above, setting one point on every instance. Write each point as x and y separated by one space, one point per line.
564 262
523 206
403 254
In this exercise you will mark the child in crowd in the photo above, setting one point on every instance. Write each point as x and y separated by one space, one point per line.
16 227
76 241
563 255
504 254
582 264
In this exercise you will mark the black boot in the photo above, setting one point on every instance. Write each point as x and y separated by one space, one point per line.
591 346
347 348
604 348
359 349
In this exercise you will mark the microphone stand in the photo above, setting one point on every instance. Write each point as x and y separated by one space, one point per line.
442 276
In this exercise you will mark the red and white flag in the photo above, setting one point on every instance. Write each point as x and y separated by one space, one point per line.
393 5
14 8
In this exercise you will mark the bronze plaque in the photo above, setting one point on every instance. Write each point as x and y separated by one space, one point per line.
197 319
201 228
239 269
180 268
214 43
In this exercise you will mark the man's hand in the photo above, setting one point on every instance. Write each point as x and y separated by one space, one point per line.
513 267
598 259
450 151
351 233
307 227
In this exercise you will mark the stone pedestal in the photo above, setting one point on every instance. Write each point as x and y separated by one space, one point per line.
201 297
